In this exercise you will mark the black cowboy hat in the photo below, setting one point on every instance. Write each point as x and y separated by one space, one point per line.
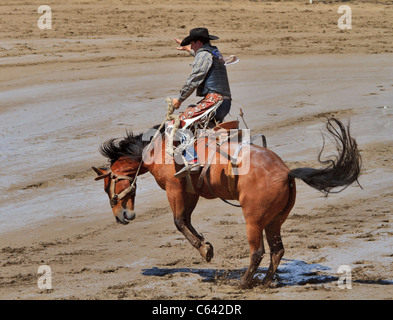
197 33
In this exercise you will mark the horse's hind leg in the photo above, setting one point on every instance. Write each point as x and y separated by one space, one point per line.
257 250
273 237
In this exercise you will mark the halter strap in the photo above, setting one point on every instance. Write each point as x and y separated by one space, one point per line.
114 198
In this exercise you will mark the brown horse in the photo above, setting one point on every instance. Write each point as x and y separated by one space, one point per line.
266 192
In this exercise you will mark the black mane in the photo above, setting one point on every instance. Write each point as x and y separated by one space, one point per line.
131 146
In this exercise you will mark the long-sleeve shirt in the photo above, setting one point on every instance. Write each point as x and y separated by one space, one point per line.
201 66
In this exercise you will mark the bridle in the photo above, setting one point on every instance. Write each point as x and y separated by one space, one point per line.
114 198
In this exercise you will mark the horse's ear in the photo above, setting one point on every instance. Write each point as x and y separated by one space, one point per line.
101 172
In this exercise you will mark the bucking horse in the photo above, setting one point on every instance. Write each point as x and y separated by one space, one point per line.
266 191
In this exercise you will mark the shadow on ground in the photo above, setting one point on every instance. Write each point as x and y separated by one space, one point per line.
290 273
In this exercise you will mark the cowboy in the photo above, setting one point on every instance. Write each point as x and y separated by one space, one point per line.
210 80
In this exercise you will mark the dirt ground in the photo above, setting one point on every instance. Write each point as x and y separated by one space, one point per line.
107 67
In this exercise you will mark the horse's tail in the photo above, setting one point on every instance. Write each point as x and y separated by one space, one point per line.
342 170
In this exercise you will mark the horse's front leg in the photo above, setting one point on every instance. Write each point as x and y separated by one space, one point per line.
182 207
204 248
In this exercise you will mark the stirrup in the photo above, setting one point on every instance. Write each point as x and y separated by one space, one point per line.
191 169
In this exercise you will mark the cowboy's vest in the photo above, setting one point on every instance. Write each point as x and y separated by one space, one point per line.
217 78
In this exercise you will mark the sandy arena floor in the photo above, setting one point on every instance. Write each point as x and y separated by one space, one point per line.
106 68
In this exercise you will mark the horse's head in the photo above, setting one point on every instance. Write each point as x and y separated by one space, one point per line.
120 186
126 158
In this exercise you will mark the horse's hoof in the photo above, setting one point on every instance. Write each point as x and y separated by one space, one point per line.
246 282
206 251
244 285
266 283
209 251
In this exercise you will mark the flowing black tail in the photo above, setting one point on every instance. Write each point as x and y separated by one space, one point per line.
341 171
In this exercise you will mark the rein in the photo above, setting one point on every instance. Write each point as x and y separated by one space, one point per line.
114 198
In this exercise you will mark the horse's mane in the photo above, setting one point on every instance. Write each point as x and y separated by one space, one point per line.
131 146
